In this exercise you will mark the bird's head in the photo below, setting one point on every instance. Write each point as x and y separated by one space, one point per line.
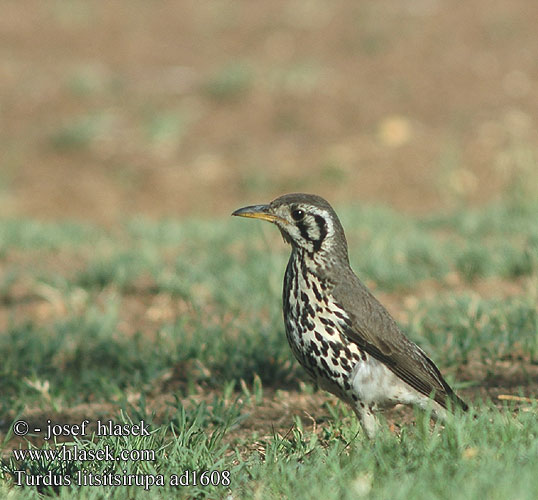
306 221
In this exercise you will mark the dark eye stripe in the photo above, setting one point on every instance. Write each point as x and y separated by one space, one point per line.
322 226
304 230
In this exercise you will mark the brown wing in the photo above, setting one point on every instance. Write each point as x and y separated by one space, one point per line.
373 329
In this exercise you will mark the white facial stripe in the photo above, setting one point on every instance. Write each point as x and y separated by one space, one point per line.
312 228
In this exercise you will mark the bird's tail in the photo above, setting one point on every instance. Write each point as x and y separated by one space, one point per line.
457 401
453 397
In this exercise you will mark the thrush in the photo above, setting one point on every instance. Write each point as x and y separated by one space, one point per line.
339 332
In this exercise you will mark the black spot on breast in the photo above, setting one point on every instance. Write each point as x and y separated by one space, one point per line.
339 314
327 322
336 347
324 349
295 279
316 291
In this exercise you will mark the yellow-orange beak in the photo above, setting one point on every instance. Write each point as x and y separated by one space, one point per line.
258 212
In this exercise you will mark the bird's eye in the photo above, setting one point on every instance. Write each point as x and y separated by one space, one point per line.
297 214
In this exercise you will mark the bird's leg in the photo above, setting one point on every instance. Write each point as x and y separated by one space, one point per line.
367 418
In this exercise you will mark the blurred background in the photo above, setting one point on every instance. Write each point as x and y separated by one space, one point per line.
172 108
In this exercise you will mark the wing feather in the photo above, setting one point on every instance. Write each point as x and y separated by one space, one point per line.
373 329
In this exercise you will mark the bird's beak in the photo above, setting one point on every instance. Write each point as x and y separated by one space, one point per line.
257 212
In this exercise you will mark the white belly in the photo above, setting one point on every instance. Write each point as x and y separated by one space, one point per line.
374 383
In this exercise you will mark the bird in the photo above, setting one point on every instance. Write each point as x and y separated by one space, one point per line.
345 339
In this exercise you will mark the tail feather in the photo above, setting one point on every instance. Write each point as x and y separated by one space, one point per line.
458 401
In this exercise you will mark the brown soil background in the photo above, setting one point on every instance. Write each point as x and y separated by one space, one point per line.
109 109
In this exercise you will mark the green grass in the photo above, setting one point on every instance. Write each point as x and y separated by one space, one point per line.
467 458
464 460
76 302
